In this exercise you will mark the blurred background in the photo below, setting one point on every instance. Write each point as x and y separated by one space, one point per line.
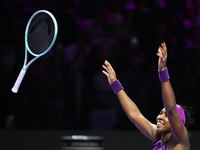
66 90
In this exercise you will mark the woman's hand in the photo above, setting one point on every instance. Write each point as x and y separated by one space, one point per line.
110 72
162 53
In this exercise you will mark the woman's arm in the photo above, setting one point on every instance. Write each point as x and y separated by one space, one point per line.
129 107
179 131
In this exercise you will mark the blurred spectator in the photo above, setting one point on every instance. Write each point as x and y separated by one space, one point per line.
12 122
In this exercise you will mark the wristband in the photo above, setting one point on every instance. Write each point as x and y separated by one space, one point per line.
163 75
116 86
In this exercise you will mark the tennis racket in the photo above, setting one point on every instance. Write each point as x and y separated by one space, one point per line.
40 35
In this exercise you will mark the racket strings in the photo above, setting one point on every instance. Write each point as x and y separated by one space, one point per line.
40 33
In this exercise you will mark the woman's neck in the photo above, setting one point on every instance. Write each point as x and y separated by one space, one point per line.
165 137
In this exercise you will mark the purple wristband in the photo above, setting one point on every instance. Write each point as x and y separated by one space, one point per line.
116 86
163 75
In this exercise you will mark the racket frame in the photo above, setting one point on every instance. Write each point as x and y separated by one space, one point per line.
25 65
27 49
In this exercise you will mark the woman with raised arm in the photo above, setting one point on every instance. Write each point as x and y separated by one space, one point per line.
170 132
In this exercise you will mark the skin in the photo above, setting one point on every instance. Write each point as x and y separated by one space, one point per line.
169 125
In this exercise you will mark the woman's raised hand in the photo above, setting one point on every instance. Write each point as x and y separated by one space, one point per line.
162 54
109 72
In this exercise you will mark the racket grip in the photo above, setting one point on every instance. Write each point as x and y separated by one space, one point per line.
18 81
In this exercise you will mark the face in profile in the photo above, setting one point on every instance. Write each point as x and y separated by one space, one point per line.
163 125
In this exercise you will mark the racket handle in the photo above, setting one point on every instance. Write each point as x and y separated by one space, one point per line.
18 81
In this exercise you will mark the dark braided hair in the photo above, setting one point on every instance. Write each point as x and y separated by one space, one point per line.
189 112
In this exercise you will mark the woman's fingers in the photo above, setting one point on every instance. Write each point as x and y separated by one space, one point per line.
105 67
160 54
105 73
110 68
164 49
164 46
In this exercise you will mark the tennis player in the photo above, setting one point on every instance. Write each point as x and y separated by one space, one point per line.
170 132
